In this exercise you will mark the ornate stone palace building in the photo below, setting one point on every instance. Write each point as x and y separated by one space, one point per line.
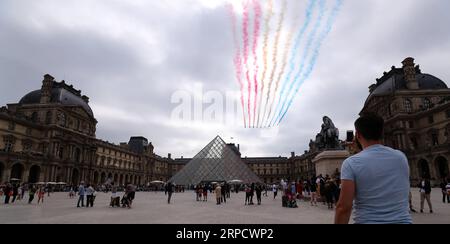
50 136
416 109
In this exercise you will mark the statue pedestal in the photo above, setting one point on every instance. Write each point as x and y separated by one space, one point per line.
328 161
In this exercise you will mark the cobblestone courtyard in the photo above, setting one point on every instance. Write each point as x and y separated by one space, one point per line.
152 208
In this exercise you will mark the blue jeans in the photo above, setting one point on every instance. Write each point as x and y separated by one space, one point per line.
81 199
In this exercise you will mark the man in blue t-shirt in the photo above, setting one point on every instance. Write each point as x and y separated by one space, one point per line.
375 182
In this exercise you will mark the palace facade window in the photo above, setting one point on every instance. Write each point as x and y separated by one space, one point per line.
426 103
408 105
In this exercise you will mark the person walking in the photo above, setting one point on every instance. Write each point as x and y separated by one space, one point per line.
31 193
247 194
313 189
8 192
169 191
275 191
425 194
445 195
448 191
15 190
258 191
89 196
81 194
252 193
223 189
218 192
376 181
41 194
205 193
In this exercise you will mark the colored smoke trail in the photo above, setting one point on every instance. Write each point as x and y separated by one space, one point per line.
237 60
275 54
306 51
316 52
245 25
269 16
256 29
308 13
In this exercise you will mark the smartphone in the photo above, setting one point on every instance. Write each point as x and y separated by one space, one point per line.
350 136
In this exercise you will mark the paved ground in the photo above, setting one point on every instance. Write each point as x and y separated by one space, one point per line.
152 208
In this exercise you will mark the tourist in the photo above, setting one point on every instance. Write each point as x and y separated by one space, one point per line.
199 192
300 190
247 195
265 191
252 193
425 193
31 193
337 192
307 188
24 189
81 193
20 193
448 191
71 192
376 189
313 189
329 190
205 193
224 193
275 191
169 191
131 193
15 192
258 190
218 192
41 194
411 208
89 196
445 195
8 192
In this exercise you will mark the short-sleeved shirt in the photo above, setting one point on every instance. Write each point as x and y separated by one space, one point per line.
381 176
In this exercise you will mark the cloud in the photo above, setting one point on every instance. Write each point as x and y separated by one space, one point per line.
129 57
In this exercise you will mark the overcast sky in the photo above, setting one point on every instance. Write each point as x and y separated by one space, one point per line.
130 56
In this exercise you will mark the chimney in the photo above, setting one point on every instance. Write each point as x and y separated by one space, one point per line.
46 89
239 148
409 71
169 156
293 154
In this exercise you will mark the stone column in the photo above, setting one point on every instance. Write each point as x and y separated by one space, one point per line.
26 174
6 174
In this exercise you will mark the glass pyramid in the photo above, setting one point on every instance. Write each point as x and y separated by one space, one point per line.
217 162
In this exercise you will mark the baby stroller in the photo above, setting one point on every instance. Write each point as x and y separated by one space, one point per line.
115 201
125 201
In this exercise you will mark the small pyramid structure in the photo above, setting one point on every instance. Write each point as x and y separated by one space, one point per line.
217 162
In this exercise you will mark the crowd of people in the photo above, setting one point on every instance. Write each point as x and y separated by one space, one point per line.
15 192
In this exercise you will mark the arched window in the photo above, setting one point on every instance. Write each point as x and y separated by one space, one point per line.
426 103
34 117
408 106
48 118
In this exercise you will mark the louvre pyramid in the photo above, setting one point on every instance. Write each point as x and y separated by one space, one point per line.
217 162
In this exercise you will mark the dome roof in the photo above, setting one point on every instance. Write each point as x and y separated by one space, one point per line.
396 82
59 95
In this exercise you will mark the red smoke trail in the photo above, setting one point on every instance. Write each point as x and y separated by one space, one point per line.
237 60
269 16
256 29
245 25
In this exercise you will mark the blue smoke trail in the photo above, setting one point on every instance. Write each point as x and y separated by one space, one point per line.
309 11
307 49
316 53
